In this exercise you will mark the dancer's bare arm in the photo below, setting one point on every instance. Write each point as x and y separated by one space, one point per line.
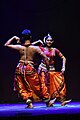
9 43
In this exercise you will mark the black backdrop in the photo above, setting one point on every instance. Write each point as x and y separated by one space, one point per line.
59 17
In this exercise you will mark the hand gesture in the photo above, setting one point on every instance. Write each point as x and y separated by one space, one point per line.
63 70
17 39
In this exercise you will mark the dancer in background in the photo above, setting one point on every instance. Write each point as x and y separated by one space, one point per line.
54 80
26 81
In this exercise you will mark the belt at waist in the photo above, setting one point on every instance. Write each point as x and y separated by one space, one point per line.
43 66
26 62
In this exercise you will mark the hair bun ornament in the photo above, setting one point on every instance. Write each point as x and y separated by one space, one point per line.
44 39
49 35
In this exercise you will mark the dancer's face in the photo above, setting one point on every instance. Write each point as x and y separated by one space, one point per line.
49 41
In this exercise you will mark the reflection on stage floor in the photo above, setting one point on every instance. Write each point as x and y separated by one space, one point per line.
40 111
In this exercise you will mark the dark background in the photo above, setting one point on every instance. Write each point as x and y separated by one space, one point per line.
59 17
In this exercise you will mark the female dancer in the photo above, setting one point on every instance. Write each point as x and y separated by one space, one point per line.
54 80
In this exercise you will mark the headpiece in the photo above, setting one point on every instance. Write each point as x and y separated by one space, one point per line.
46 37
26 34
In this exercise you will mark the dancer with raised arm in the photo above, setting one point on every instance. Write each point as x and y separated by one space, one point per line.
54 80
27 81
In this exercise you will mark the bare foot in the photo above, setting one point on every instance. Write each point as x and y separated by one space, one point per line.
29 106
65 102
50 104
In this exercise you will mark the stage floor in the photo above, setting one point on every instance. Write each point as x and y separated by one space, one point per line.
40 111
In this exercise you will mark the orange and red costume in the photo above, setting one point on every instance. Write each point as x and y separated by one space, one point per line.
28 84
54 80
